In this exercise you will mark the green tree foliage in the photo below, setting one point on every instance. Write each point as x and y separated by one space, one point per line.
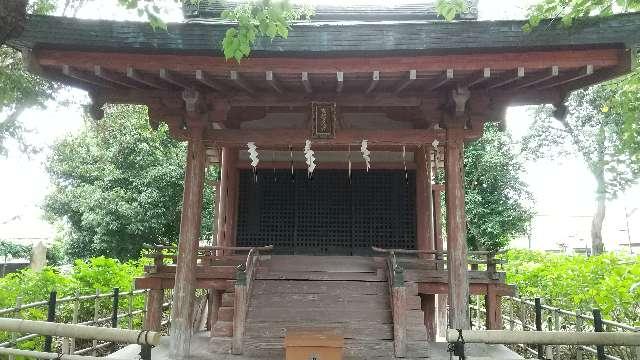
498 204
20 90
579 282
118 185
14 250
568 11
595 133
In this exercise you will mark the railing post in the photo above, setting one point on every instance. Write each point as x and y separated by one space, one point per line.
399 312
239 311
538 308
96 316
598 327
114 313
14 336
578 329
556 324
130 308
512 322
51 317
74 320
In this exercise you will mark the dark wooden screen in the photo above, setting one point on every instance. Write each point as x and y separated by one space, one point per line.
327 215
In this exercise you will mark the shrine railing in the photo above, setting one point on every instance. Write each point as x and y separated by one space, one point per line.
245 276
398 293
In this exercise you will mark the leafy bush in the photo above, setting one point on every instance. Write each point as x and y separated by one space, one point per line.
578 282
86 276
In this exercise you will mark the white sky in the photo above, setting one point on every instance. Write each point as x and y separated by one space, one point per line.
563 190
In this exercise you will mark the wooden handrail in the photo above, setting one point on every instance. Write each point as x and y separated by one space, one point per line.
398 295
244 285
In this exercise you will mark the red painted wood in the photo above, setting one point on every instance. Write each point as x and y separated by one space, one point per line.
228 174
533 60
429 309
456 231
153 318
493 301
185 280
424 207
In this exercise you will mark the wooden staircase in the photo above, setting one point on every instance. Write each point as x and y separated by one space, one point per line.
346 295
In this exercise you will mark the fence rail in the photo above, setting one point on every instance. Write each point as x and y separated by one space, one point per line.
114 309
533 315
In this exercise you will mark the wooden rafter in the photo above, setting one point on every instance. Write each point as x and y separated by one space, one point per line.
203 78
172 79
413 75
136 76
443 80
306 83
554 72
239 82
271 80
581 73
73 73
516 75
375 79
112 77
479 78
340 81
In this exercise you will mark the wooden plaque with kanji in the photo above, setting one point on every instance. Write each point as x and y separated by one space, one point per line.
323 119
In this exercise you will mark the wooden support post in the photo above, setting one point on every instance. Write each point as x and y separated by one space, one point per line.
538 310
456 231
215 300
227 203
51 317
183 291
400 320
153 318
598 327
439 246
424 202
239 315
429 309
493 303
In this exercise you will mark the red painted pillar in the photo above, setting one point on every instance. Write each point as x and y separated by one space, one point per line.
424 234
190 222
439 245
457 263
227 199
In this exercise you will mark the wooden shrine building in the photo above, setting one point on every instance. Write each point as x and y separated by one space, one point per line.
354 251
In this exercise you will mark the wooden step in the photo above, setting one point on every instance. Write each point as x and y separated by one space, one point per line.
358 330
321 263
223 329
320 315
228 299
321 276
220 345
225 314
301 302
332 288
354 349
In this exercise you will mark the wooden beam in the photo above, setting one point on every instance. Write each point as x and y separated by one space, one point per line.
424 203
112 77
153 317
340 81
204 78
500 61
457 266
477 79
228 171
553 73
190 222
375 79
239 82
515 76
72 73
413 74
171 78
136 76
306 83
271 80
583 72
444 79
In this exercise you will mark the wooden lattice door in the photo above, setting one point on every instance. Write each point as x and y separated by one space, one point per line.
327 215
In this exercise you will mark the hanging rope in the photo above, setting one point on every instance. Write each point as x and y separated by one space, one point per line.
349 161
293 176
404 163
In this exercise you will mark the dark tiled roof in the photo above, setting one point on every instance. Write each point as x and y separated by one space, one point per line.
330 38
424 10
